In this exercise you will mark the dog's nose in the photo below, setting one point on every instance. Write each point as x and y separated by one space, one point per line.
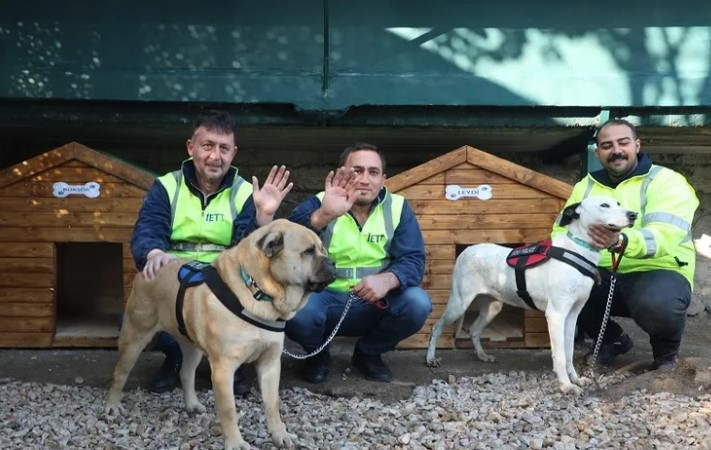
329 269
632 216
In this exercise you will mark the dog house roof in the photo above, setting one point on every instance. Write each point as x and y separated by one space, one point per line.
483 160
76 151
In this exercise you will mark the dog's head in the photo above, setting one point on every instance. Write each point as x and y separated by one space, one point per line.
598 210
288 261
297 256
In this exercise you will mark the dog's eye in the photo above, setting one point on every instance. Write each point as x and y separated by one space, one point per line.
310 251
605 205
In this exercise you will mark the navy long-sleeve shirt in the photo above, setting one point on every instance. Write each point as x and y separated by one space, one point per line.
153 227
407 249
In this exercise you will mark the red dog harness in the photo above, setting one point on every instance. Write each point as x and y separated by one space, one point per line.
527 256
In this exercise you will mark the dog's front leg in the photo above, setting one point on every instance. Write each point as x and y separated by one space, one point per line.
223 373
268 368
556 332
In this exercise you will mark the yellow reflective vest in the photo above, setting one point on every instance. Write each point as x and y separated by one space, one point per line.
360 252
661 236
197 233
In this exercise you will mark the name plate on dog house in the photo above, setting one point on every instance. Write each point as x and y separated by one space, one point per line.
455 192
468 197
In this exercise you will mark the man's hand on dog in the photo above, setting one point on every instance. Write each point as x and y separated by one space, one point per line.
338 199
268 198
156 258
602 236
374 287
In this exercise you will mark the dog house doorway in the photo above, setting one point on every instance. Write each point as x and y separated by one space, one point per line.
89 294
505 329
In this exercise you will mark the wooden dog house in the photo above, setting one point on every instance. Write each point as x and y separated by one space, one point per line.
66 220
467 197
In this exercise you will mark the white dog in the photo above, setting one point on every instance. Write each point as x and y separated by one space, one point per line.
482 274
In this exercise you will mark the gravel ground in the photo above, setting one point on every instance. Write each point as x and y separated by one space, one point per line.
515 410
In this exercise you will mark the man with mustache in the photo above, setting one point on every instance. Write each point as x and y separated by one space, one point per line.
198 211
375 240
656 274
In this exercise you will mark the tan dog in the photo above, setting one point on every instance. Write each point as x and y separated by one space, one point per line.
288 262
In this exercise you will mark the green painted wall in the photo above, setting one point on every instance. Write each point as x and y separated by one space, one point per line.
330 55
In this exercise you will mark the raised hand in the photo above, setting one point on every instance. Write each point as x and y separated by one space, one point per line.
339 196
269 196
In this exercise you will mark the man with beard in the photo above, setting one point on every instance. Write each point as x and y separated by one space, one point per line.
375 240
656 273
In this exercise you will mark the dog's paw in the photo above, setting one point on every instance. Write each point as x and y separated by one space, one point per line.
433 362
195 407
237 445
485 357
570 389
284 439
114 409
580 381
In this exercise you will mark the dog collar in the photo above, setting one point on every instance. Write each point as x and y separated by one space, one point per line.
581 242
257 292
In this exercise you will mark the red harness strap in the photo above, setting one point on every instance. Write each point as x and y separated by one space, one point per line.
527 256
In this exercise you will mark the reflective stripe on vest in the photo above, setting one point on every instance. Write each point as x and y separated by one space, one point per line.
359 252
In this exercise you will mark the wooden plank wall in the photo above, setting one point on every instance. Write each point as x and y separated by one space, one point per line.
31 220
516 214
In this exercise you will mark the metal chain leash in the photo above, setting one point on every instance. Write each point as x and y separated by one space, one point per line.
605 319
608 306
351 297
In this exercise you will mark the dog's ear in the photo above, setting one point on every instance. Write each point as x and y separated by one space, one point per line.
271 243
568 214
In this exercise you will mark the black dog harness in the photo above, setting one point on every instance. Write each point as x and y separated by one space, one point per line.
527 256
195 273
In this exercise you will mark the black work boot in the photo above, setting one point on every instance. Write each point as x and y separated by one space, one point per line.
168 377
609 352
372 366
317 368
241 385
665 356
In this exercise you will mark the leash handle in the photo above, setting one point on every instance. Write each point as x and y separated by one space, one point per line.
621 251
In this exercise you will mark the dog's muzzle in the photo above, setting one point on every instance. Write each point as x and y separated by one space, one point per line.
325 275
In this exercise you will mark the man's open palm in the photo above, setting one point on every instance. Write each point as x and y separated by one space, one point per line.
268 197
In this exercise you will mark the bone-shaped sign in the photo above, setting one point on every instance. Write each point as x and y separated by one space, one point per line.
454 192
62 189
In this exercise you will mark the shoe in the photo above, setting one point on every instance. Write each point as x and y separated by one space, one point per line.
372 366
241 385
168 377
317 368
609 352
665 363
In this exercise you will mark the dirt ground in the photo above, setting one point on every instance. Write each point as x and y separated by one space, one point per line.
94 367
